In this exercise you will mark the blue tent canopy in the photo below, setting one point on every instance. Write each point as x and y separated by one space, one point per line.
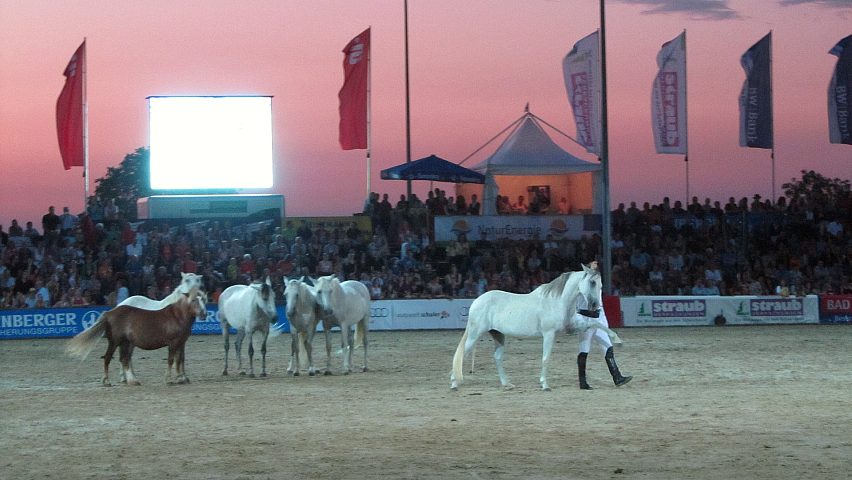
432 168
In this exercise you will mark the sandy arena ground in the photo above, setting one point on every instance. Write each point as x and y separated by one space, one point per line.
764 402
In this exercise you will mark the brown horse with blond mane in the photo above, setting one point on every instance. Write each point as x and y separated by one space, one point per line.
127 327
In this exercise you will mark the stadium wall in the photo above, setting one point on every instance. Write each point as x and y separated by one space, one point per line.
449 314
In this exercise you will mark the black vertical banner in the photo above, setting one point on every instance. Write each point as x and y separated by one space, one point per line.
756 96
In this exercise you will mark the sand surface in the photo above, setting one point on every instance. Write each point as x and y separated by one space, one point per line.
765 402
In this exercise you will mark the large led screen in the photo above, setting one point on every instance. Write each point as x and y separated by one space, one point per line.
207 143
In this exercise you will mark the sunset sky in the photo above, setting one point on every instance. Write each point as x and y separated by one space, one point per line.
473 65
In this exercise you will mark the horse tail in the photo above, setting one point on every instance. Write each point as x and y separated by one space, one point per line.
614 338
582 324
361 332
458 358
84 342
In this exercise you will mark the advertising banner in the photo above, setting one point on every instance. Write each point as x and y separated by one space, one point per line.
715 310
835 308
515 227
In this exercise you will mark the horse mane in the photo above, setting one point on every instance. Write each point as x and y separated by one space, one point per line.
553 288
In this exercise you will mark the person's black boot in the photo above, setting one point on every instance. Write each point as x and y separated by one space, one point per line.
581 368
617 378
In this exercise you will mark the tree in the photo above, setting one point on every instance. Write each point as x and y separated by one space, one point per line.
828 193
125 183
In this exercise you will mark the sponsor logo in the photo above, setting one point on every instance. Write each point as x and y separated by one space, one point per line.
678 308
838 305
379 312
776 308
459 227
558 227
642 312
90 318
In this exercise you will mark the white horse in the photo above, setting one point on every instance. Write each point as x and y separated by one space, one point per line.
248 309
546 311
344 304
303 315
188 281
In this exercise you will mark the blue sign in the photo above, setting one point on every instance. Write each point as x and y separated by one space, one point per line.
67 322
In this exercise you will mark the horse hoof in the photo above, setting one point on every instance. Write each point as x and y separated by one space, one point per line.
263 374
134 383
454 388
328 373
251 375
508 386
242 374
105 383
364 370
312 373
225 373
545 389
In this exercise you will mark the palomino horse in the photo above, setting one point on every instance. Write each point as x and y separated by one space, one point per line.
127 327
188 281
249 309
546 311
344 304
303 315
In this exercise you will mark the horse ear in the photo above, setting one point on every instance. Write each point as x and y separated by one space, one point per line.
585 268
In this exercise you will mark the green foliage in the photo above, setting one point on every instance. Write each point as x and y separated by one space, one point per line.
126 183
816 189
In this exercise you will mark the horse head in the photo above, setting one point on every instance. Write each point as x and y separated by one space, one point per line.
188 281
590 287
325 288
265 299
201 304
293 290
194 302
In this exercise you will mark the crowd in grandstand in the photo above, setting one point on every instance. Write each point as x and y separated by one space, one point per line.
740 248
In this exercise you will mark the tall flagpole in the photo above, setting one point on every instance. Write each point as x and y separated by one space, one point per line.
686 109
369 111
772 118
407 106
605 214
85 132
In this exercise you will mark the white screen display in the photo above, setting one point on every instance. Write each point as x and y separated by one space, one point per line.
202 143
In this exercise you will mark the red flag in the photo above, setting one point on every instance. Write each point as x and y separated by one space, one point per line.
69 112
353 94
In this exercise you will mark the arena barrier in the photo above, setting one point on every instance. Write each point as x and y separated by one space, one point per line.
835 309
448 314
386 315
715 310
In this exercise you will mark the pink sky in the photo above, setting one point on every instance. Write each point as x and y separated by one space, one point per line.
473 66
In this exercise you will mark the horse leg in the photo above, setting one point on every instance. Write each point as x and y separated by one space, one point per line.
293 367
325 330
263 354
250 354
226 333
125 351
364 323
545 358
180 367
499 349
170 362
238 347
307 340
107 358
346 344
